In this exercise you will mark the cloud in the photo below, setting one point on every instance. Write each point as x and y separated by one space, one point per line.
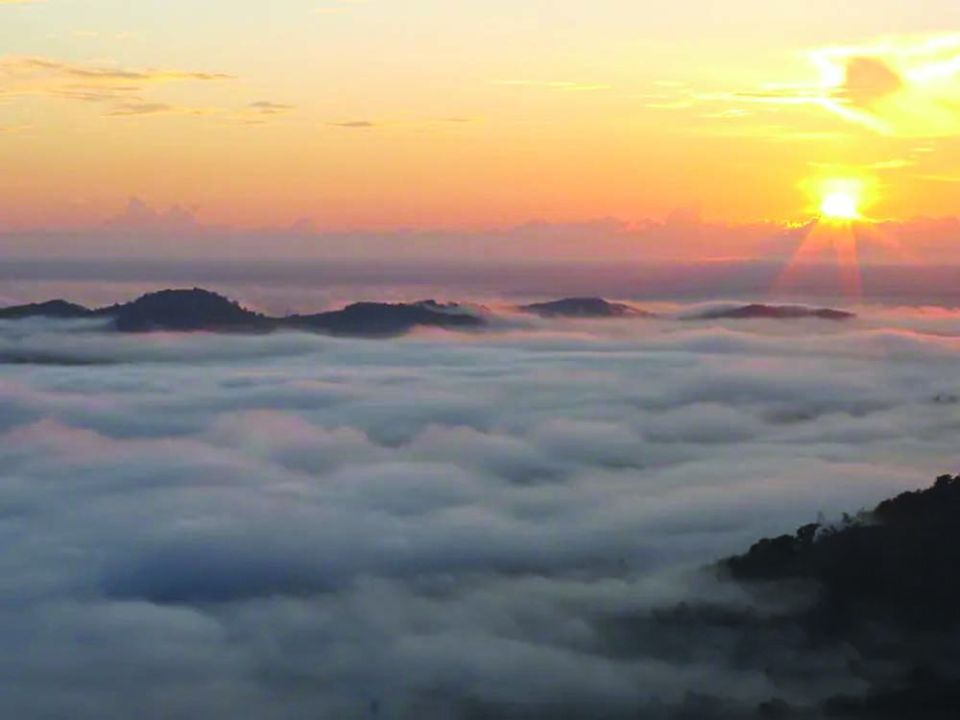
259 113
131 109
416 123
901 88
139 216
16 64
355 124
123 90
141 109
265 107
293 526
676 257
869 80
904 87
97 93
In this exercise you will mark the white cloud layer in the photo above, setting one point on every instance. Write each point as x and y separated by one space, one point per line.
294 526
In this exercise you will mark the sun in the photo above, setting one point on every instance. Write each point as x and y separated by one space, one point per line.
841 199
840 206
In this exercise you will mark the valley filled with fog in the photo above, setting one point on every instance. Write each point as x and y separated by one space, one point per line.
290 525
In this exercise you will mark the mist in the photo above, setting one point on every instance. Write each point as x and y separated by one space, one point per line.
441 525
283 285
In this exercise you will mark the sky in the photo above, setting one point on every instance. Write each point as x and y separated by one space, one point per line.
290 525
342 116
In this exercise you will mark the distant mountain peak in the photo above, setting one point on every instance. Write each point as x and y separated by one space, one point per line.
582 307
197 309
760 311
183 310
385 319
50 309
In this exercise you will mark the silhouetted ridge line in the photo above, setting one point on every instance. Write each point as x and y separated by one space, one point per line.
758 311
185 310
202 310
888 586
49 309
385 319
898 563
583 307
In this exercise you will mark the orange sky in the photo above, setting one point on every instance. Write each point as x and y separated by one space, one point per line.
429 114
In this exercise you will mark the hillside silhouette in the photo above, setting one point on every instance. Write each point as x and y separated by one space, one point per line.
54 309
386 319
582 307
855 620
185 311
887 584
196 309
896 564
759 311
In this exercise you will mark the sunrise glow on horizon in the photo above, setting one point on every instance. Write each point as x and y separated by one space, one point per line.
479 359
361 115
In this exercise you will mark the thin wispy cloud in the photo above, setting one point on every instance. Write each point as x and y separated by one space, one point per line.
26 64
148 108
266 107
361 124
38 76
901 87
126 92
355 124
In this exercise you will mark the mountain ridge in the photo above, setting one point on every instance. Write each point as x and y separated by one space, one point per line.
762 311
200 310
197 309
583 307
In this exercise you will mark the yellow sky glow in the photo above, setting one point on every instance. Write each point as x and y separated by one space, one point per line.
355 115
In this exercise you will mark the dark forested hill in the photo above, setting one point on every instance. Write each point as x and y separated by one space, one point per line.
758 311
196 309
887 585
583 307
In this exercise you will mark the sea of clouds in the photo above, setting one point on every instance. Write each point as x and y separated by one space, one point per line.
440 526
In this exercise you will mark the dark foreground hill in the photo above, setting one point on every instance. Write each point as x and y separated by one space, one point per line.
759 311
582 307
858 620
201 310
887 585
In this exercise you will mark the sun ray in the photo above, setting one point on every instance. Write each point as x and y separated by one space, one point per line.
848 262
838 204
826 244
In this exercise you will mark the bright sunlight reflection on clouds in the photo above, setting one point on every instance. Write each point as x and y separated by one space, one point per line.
907 87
